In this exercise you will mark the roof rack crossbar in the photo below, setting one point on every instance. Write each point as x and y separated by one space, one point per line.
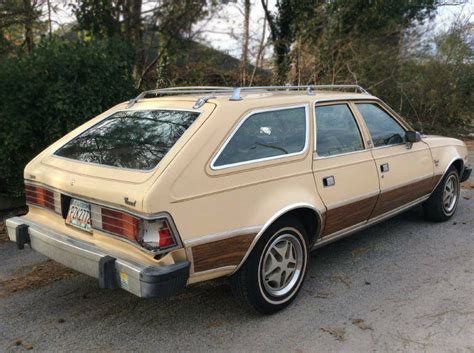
236 91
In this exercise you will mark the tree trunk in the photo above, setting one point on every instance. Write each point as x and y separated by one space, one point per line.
245 44
261 48
28 25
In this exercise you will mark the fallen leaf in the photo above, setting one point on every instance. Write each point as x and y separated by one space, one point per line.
336 332
340 277
40 275
361 324
359 251
28 346
215 324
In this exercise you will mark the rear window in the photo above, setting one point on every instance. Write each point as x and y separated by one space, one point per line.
130 139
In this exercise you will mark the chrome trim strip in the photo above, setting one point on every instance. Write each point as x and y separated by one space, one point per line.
247 116
231 269
317 157
414 180
353 199
350 230
156 216
275 217
222 235
340 101
446 169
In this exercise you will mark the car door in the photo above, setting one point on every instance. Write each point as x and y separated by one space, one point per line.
405 171
343 168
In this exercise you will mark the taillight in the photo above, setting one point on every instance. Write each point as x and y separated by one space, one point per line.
121 224
43 197
157 234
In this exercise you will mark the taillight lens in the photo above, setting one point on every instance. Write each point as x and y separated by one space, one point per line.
157 234
121 223
43 197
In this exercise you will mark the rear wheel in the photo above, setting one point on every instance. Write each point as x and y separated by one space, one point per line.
272 275
444 200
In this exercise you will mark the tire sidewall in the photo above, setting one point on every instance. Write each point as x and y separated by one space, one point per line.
452 172
257 290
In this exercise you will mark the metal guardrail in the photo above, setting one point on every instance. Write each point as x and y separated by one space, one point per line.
235 92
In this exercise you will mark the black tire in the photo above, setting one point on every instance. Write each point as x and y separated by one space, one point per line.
435 208
251 287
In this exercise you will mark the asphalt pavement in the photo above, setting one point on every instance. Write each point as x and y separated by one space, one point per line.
405 285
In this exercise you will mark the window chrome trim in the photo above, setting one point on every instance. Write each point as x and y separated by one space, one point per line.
145 171
317 157
338 101
382 107
243 120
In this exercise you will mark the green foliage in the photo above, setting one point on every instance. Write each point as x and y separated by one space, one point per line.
48 93
97 17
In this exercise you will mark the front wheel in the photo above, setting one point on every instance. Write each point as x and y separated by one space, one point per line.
272 275
444 200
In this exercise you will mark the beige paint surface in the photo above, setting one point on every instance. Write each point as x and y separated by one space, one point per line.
204 202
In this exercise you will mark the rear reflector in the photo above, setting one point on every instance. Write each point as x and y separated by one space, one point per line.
121 224
43 197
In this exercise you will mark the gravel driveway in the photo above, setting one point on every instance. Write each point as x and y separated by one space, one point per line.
402 285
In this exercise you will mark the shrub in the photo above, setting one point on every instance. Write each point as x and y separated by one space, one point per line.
59 86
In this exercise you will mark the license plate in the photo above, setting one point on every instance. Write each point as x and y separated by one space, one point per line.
79 215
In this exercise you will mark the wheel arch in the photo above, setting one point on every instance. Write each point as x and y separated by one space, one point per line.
458 163
311 218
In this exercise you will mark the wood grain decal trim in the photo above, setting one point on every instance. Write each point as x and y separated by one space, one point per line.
345 216
220 253
392 199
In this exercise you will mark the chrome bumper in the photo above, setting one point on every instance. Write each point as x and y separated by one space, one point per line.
142 280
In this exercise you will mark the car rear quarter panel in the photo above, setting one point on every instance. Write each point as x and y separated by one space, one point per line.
209 206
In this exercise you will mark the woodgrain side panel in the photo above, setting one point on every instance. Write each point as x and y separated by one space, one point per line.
392 199
348 215
220 253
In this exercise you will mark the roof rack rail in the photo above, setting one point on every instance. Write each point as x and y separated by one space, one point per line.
236 91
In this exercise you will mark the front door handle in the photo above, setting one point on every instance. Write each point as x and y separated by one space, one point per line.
329 181
384 168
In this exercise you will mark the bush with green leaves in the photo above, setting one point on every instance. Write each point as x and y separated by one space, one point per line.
58 87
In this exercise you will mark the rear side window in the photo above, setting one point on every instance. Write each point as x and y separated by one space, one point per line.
336 131
383 128
265 135
130 139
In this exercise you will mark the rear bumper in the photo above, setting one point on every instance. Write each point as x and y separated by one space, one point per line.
466 173
142 280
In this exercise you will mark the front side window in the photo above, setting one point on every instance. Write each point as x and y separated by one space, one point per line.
266 135
336 130
382 127
130 139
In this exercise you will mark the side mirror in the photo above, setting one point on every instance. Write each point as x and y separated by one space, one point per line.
412 136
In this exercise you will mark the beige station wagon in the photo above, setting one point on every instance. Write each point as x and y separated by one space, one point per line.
185 185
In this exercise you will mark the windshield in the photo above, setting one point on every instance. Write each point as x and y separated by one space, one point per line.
130 139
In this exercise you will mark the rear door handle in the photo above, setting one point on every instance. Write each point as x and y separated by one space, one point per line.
329 181
384 168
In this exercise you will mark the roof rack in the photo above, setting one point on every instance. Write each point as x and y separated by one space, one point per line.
236 91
